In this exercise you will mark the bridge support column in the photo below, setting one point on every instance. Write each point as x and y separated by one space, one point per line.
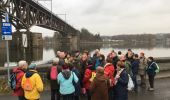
73 42
33 40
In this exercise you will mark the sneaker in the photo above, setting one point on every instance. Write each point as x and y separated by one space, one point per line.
151 89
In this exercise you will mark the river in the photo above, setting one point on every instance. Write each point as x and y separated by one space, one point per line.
44 54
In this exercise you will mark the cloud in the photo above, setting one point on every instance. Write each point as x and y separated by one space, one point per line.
110 17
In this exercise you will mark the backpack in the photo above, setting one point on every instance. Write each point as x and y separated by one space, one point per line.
93 75
13 81
53 73
157 67
28 85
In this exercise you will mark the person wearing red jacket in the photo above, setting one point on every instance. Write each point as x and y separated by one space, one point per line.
88 78
109 71
20 71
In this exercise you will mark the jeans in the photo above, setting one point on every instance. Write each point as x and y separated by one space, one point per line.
151 80
55 95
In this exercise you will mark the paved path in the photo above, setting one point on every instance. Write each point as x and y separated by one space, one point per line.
162 92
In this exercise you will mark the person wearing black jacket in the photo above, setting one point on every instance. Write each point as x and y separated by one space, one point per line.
55 95
151 71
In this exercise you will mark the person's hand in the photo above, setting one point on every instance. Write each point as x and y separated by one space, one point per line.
117 76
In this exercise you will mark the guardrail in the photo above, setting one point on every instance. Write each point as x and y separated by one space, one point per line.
163 62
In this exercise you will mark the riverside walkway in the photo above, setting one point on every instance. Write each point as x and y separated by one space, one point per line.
162 92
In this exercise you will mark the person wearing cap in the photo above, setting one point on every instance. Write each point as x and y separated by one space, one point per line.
55 95
20 71
142 69
99 87
65 80
35 81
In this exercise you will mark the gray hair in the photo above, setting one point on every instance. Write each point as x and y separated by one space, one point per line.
22 63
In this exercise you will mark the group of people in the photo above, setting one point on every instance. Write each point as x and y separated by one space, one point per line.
73 75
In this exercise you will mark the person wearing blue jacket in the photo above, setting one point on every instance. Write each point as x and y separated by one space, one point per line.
151 71
135 67
65 79
121 82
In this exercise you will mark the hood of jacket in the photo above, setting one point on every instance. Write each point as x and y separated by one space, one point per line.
101 78
18 70
30 73
66 74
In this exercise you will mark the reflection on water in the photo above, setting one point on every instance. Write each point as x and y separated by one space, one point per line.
41 55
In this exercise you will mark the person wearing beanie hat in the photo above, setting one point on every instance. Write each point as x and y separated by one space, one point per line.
32 66
100 85
32 79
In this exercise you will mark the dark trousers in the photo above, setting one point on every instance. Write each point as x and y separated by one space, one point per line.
77 97
88 94
21 98
68 97
151 80
143 80
134 78
55 95
111 93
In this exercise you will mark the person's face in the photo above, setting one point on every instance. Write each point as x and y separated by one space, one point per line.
84 57
100 58
148 60
141 55
24 67
118 68
130 54
71 58
98 54
68 56
77 54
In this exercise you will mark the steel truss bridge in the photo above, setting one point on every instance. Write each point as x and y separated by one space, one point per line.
27 13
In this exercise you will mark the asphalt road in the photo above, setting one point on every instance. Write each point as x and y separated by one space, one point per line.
162 92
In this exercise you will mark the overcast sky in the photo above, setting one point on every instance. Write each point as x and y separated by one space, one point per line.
112 17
